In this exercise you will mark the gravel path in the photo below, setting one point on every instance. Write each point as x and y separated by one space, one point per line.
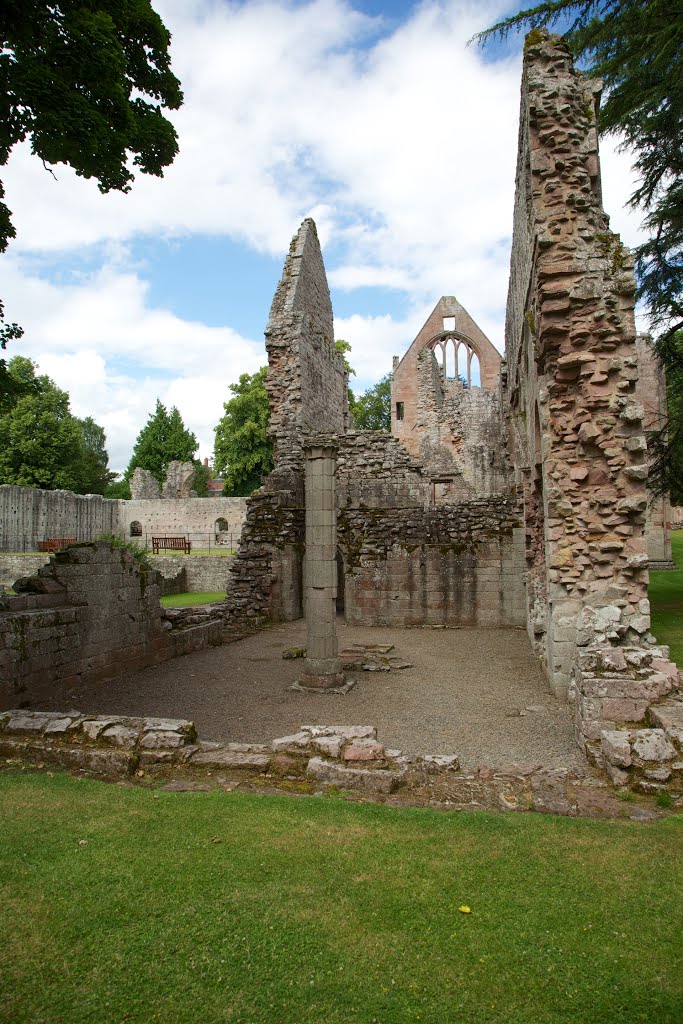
464 694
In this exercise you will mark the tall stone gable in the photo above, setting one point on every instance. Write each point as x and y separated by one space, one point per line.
307 382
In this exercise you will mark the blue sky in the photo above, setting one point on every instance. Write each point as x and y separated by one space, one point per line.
374 118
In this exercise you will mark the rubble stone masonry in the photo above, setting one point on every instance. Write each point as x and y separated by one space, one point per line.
92 613
576 421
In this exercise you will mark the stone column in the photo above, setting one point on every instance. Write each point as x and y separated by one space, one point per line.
322 668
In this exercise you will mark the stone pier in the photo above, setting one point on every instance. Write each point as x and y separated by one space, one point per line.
323 668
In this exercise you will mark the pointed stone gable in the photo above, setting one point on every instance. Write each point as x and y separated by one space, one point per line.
306 384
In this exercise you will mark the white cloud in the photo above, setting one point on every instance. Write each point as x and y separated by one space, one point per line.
79 333
402 145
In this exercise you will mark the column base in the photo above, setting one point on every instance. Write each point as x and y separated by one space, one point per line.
334 682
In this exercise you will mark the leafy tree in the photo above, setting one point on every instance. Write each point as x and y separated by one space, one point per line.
637 48
372 411
118 489
201 478
41 443
8 386
86 81
163 439
243 454
93 465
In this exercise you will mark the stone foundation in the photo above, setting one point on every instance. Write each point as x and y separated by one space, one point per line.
343 759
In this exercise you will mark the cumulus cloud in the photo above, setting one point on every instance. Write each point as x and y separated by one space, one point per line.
400 141
99 340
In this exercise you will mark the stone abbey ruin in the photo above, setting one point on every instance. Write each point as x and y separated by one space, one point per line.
510 492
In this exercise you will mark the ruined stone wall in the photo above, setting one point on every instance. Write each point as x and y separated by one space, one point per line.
197 517
576 424
307 390
460 433
307 382
266 577
453 565
98 615
28 515
374 469
12 567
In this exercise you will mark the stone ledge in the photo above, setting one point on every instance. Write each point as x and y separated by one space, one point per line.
159 749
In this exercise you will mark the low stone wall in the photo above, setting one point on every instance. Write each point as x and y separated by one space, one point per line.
318 758
92 613
180 573
194 574
450 565
198 518
29 514
13 567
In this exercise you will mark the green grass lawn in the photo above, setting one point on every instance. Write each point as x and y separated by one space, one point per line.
183 600
666 600
128 905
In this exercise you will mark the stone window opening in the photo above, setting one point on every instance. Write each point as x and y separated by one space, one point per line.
400 410
135 529
449 323
457 360
221 527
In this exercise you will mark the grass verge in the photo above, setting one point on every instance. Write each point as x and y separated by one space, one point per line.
666 601
136 906
184 600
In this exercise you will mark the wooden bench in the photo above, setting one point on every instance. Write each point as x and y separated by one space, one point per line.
55 543
171 544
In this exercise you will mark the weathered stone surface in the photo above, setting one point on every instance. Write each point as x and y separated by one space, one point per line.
299 743
157 739
348 732
29 721
616 747
93 728
179 481
224 758
439 762
651 745
120 736
366 780
330 745
143 486
364 750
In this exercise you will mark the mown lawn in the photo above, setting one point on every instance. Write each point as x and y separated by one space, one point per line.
183 600
666 601
128 905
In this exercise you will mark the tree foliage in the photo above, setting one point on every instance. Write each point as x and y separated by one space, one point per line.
637 49
93 465
162 440
41 443
86 81
243 453
201 478
372 410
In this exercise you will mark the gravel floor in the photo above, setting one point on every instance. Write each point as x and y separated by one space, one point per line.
466 694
